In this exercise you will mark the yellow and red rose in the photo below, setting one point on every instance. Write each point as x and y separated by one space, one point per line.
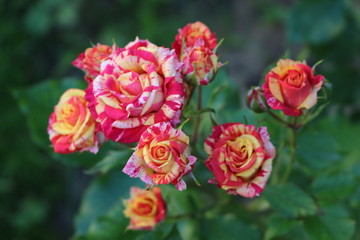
161 157
145 208
200 64
190 34
90 60
240 157
71 126
291 86
139 86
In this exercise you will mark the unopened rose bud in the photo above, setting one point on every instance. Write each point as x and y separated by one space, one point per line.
255 100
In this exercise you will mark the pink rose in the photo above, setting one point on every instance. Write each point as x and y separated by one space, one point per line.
190 34
161 157
240 157
145 208
71 126
291 86
140 86
90 60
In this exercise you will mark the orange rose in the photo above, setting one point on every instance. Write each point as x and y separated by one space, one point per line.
145 208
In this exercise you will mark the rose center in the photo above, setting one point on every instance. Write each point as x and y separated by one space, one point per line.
144 207
294 78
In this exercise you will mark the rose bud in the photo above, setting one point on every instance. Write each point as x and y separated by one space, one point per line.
71 126
140 86
145 208
240 157
161 157
200 64
291 86
90 60
255 100
190 34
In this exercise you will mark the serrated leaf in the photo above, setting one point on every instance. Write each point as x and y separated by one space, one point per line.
290 200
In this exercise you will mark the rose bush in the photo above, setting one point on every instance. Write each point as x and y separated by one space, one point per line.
291 86
161 157
145 208
240 157
138 87
71 127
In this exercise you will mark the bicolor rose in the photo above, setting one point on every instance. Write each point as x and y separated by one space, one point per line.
200 64
71 126
145 208
161 157
90 60
190 34
140 86
240 157
255 100
291 86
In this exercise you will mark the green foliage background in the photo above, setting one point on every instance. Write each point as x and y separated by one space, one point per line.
41 192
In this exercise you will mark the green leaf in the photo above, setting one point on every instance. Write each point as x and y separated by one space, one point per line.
113 160
189 228
290 200
278 225
333 188
103 194
316 22
318 151
229 228
329 227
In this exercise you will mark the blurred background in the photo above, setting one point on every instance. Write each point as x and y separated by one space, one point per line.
39 195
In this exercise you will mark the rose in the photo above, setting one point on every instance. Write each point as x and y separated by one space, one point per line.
71 126
291 86
145 208
255 100
141 85
161 157
240 157
200 64
190 34
90 60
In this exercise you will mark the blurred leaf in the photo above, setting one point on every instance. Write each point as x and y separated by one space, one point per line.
229 228
329 227
278 225
103 194
317 21
189 228
113 160
333 188
290 200
318 151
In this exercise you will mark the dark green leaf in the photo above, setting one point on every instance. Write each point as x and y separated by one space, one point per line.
113 160
290 200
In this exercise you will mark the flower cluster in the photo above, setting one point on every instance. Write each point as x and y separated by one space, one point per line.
136 94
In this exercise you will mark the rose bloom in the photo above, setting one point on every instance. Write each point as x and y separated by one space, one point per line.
240 157
255 100
200 64
291 86
190 34
161 157
141 85
145 208
71 126
90 60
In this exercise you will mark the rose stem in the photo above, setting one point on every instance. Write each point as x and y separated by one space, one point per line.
197 120
292 152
